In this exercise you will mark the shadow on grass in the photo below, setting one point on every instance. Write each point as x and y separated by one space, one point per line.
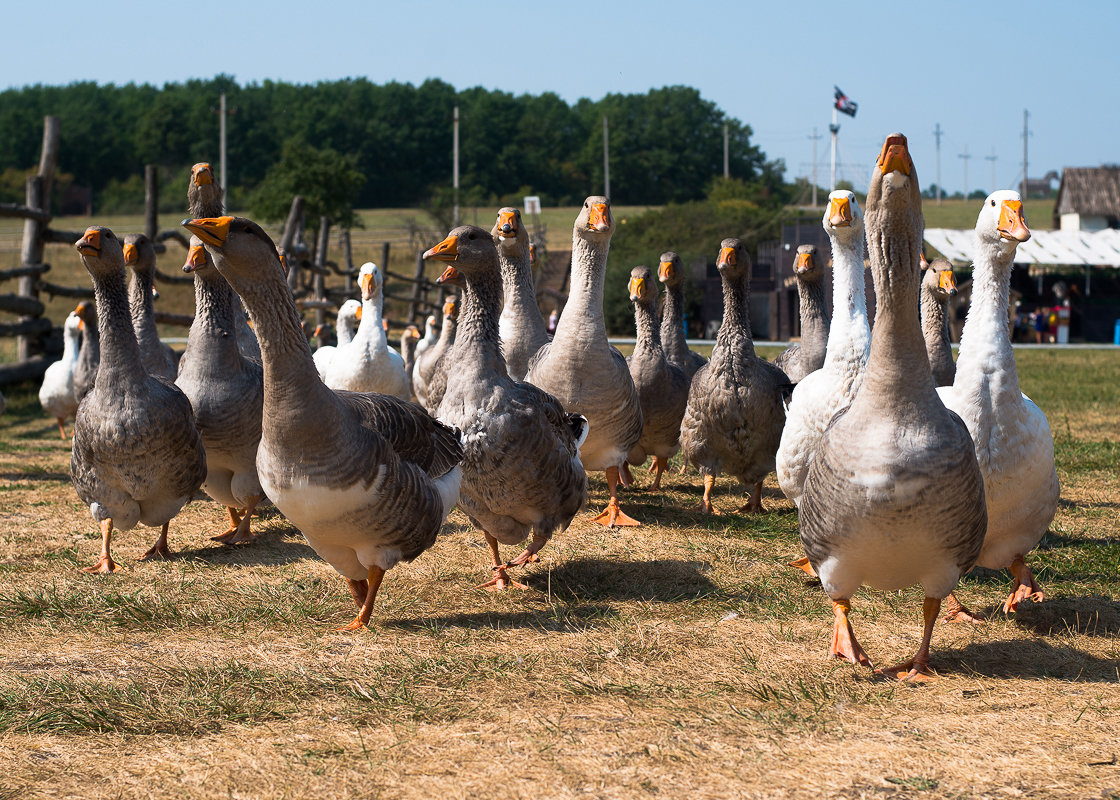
552 618
278 544
1026 658
1089 616
591 579
36 475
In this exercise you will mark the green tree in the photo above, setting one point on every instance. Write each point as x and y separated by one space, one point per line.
328 181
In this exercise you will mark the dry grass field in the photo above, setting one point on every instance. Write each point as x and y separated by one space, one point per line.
679 659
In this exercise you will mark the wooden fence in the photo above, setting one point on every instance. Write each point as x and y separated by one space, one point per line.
38 341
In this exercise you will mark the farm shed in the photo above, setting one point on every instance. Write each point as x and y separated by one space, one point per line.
1088 199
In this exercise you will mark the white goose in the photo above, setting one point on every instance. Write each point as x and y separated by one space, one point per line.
1012 437
349 315
368 363
821 394
56 395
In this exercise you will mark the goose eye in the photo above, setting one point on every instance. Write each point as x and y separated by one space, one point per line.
993 203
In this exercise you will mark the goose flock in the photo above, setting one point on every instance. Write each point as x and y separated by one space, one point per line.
905 467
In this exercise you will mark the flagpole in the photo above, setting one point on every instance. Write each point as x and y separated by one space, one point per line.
834 128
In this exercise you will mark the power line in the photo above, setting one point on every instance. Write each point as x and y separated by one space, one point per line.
937 132
992 158
965 156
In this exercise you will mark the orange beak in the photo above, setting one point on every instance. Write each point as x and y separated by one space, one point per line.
599 218
201 174
665 271
211 230
726 257
365 283
196 258
450 275
637 288
358 314
447 250
532 253
507 224
90 243
946 282
804 263
895 156
130 253
449 306
840 212
1012 224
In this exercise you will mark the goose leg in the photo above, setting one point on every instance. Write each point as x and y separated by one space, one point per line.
803 565
239 533
1023 587
530 554
958 612
61 428
612 515
105 564
917 668
234 521
500 582
160 548
376 574
358 590
659 465
844 644
626 476
705 506
754 502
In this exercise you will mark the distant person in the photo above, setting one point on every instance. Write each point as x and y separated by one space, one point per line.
553 318
1041 323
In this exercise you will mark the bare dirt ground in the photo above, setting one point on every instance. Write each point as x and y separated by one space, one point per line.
682 658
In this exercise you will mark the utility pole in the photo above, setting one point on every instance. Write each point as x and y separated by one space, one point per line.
222 150
965 156
814 137
937 138
992 158
606 160
726 152
1026 134
455 161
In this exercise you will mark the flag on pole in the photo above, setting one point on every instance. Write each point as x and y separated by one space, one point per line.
843 104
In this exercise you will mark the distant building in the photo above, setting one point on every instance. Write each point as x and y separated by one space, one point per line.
1088 199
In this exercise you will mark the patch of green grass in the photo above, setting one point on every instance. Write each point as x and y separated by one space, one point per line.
919 783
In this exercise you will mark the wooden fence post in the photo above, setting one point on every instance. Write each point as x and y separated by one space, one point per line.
31 252
321 264
347 259
151 202
419 290
291 226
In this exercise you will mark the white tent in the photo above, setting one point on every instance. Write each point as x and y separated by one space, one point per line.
1065 248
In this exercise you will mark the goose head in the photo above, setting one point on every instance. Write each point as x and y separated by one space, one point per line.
87 312
204 195
641 286
468 251
72 326
369 280
807 264
430 327
1001 224
139 254
410 334
510 234
843 219
198 262
238 248
938 279
595 223
894 211
350 314
670 270
733 262
894 181
101 251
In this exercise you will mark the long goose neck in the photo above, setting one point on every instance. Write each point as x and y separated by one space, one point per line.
935 320
986 340
371 333
142 308
898 366
477 344
649 335
519 292
672 323
291 381
216 316
582 320
69 346
849 333
734 337
814 322
120 353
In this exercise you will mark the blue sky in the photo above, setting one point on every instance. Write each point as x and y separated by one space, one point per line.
973 67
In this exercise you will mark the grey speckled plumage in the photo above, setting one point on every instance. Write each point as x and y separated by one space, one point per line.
521 326
894 495
800 359
137 455
662 387
226 390
671 273
521 466
140 255
429 375
89 354
735 412
938 285
367 478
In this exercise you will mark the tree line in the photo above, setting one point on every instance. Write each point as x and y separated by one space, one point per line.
392 142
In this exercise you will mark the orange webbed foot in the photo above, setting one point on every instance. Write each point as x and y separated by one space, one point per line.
803 565
912 671
104 566
613 517
1023 588
159 551
501 581
959 613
